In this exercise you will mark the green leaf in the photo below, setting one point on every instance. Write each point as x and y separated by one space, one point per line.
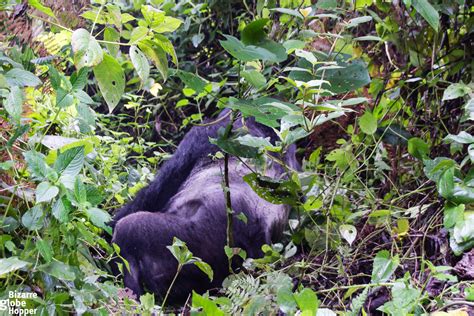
148 301
426 10
368 123
453 214
59 270
37 165
418 148
45 192
359 20
79 79
33 218
111 79
285 300
446 183
208 307
61 209
11 264
40 7
140 62
165 44
255 78
192 81
22 78
69 163
274 191
307 302
245 53
112 35
44 248
64 98
404 299
206 268
14 103
461 138
384 266
99 217
157 56
138 34
266 111
87 52
180 251
254 32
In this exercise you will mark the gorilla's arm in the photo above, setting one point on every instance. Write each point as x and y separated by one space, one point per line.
194 146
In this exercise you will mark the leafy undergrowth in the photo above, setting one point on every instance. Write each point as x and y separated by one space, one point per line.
377 96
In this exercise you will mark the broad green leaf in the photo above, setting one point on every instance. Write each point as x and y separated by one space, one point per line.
61 209
254 32
462 237
59 270
446 183
291 12
158 21
40 7
37 165
22 78
99 217
33 218
111 79
461 138
14 103
169 24
11 264
148 301
87 52
292 45
180 251
138 34
257 142
45 249
307 302
426 10
165 44
245 53
404 299
348 232
64 98
418 148
255 78
274 191
368 123
233 147
140 62
45 192
309 56
209 307
453 214
69 163
384 266
157 56
192 81
286 301
79 79
112 35
456 90
206 268
266 111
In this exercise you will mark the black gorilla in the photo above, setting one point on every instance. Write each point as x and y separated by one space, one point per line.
186 200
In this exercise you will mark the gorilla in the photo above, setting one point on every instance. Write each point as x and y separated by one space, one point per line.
186 200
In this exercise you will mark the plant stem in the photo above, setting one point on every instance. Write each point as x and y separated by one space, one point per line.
180 266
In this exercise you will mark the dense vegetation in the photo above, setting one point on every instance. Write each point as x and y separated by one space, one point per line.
376 95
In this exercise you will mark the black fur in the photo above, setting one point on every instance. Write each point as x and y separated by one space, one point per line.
186 201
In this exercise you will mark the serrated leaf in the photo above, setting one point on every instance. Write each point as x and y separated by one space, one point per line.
37 165
45 250
61 209
140 62
69 163
111 80
87 51
45 192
